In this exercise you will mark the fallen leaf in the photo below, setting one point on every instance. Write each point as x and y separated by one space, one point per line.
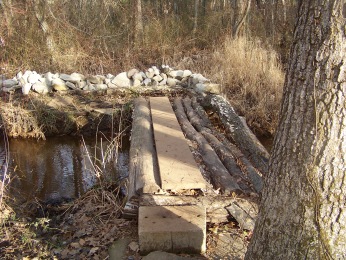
93 250
134 246
81 242
75 245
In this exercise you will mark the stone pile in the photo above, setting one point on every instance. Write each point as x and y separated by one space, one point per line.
153 77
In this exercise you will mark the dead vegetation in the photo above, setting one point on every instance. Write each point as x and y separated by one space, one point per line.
38 117
82 229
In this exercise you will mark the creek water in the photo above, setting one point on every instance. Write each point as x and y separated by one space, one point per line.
60 168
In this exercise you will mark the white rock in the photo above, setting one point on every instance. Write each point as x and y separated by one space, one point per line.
184 80
21 82
138 76
157 78
121 80
48 76
172 82
11 89
26 88
163 75
136 83
163 82
74 77
33 77
156 71
150 74
42 80
79 76
132 72
109 76
100 86
143 75
81 84
187 73
70 85
19 75
176 74
197 78
55 76
107 80
98 79
151 70
59 85
8 83
26 75
41 88
208 87
147 82
111 85
89 87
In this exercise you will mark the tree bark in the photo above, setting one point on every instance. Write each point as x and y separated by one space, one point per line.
143 168
195 18
240 133
221 150
138 22
302 212
241 11
39 9
245 164
219 174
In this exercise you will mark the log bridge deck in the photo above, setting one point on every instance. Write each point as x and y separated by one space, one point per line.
161 163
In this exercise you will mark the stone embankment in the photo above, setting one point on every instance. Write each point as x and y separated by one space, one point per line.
153 77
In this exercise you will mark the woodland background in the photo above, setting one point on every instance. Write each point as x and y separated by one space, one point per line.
243 45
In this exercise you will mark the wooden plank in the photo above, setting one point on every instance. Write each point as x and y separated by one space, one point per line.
178 169
143 169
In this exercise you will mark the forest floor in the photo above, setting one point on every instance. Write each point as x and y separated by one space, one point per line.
87 227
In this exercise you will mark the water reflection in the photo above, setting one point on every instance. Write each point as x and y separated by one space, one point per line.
59 168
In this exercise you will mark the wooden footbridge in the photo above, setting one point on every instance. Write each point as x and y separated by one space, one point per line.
168 193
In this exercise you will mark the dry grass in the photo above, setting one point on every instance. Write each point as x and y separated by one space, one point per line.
252 79
19 122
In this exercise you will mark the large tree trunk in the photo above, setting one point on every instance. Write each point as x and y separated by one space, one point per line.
302 213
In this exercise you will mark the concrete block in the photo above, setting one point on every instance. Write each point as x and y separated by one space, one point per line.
176 229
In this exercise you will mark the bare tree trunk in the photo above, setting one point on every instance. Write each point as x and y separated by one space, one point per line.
39 9
284 7
195 19
138 22
7 14
302 212
241 11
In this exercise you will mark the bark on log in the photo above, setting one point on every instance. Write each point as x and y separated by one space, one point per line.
219 174
143 169
245 164
240 133
218 207
223 153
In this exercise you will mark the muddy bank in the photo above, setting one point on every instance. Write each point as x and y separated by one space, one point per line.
38 116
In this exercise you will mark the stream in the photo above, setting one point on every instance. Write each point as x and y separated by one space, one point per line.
61 168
